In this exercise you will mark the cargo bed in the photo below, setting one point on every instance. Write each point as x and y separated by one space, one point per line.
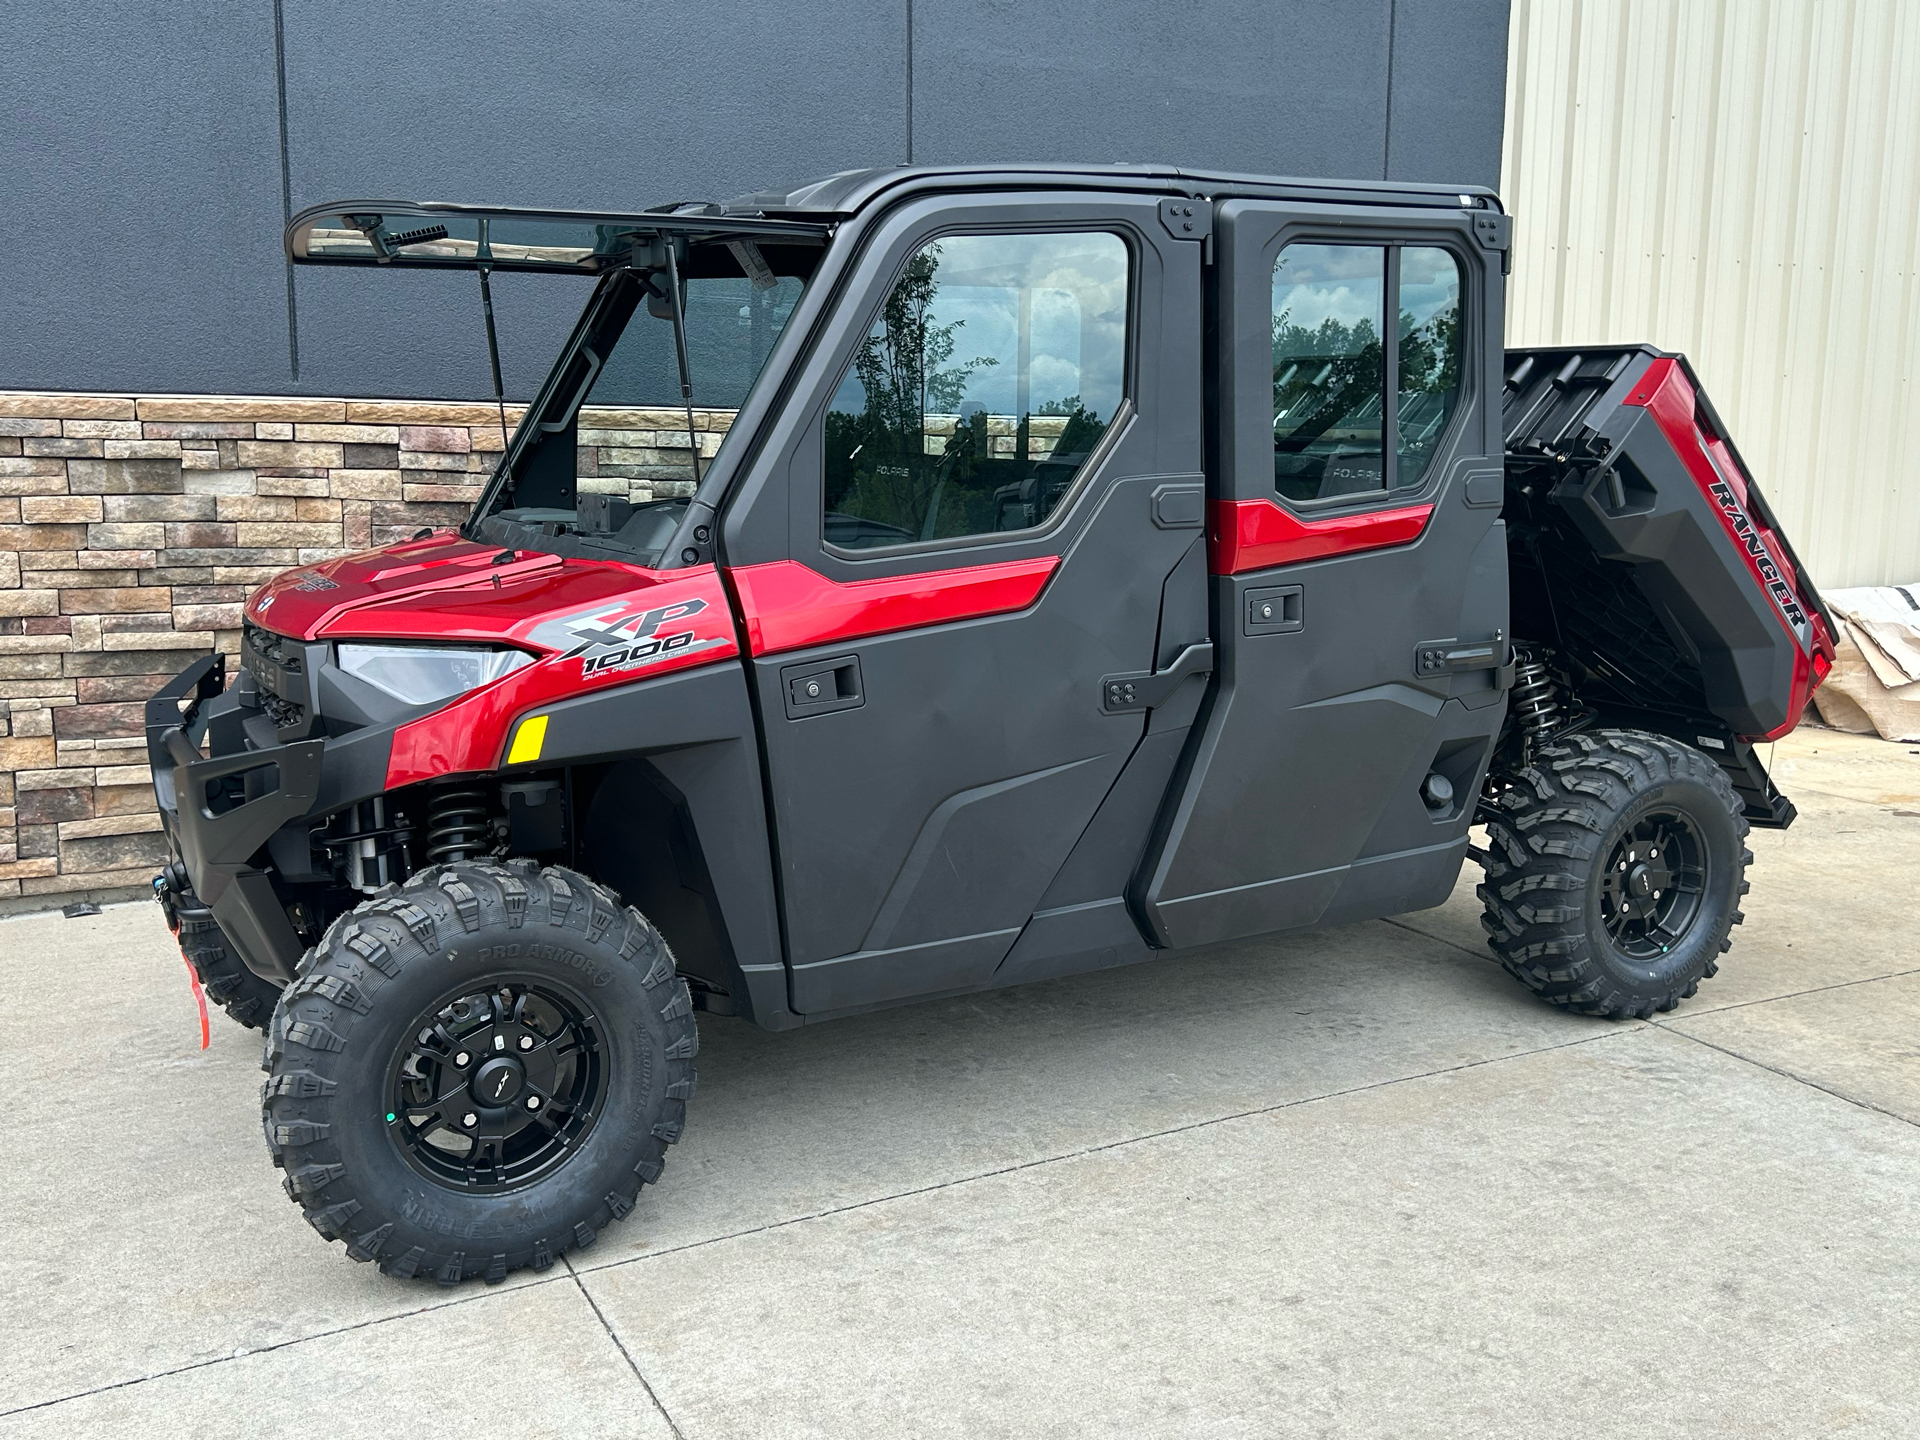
1645 556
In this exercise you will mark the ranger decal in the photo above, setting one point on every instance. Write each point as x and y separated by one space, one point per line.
1747 536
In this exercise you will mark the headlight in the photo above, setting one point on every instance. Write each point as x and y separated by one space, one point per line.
422 674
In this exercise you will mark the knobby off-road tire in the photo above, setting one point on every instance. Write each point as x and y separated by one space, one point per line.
1614 873
465 964
228 982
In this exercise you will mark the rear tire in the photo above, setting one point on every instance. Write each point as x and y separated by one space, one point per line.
1614 873
479 1071
245 997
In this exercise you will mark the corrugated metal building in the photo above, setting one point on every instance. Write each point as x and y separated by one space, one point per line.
1740 180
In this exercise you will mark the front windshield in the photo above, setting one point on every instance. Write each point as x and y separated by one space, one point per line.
603 460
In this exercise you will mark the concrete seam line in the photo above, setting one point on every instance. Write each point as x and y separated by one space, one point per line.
1634 1028
1699 1011
253 1350
1790 1075
620 1345
1439 940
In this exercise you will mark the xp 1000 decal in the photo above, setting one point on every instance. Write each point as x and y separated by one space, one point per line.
625 635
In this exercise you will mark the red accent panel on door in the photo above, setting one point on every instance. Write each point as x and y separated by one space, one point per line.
1258 534
787 605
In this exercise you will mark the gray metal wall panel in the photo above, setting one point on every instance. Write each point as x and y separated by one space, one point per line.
1290 88
1449 84
141 155
142 145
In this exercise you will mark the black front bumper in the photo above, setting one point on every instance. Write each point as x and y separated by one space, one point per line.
283 784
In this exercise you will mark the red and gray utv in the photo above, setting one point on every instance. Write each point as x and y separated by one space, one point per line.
1101 564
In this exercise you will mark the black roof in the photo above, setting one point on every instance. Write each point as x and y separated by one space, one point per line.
852 190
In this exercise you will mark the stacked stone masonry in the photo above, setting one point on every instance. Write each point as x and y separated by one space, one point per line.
132 530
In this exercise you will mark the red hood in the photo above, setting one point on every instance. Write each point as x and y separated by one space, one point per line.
439 588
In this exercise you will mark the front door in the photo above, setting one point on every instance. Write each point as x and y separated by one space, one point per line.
958 551
1360 573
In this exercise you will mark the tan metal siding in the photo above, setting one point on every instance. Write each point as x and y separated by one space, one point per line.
1740 180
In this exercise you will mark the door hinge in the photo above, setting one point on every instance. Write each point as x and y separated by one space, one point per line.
1494 231
1187 219
1146 689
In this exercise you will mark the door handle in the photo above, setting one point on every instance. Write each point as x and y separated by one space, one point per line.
820 687
1432 658
1145 689
1276 609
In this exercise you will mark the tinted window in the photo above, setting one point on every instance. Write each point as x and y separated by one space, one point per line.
995 366
1337 390
1429 382
1329 377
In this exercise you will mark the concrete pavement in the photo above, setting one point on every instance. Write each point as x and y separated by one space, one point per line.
1356 1183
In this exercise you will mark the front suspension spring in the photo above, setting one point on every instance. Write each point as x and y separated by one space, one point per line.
457 827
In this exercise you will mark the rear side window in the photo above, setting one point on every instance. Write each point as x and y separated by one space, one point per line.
993 370
1351 415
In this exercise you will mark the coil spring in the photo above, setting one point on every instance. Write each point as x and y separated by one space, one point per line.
1536 703
457 826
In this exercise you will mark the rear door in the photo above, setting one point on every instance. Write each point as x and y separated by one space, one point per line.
1359 572
957 560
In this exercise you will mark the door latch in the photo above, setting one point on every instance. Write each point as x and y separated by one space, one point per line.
1146 689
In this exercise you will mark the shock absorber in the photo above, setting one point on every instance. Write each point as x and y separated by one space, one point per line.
457 827
1535 700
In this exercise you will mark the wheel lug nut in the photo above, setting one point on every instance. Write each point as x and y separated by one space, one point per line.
470 1120
533 1102
526 1042
462 1058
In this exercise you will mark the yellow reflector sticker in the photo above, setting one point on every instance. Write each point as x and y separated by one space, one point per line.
527 740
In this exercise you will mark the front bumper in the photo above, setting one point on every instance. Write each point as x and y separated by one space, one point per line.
218 829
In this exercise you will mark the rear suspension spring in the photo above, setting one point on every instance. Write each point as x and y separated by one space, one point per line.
457 827
1536 700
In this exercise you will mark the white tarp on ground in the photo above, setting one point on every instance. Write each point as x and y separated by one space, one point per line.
1875 684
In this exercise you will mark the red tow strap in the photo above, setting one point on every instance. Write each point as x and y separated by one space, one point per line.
200 999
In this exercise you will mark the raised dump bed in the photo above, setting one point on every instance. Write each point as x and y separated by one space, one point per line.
1645 557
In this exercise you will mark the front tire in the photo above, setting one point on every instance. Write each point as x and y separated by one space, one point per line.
479 1072
247 999
1614 873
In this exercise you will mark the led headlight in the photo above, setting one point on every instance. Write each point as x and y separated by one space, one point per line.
422 674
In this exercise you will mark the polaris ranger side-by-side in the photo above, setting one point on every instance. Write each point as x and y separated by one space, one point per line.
1102 563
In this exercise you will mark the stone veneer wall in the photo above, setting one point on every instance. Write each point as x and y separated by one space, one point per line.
132 529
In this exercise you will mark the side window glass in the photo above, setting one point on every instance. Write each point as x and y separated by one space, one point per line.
1338 390
996 365
1429 382
1329 374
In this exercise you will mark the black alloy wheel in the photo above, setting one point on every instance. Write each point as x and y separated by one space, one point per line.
493 1089
1652 884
